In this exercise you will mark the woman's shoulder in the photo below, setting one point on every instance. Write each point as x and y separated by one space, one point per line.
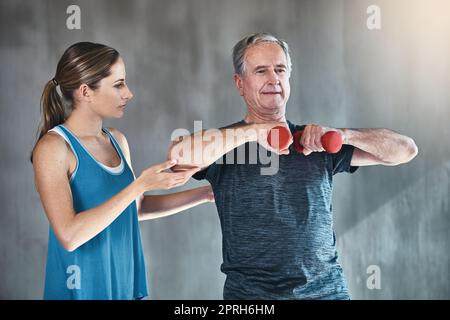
51 146
119 136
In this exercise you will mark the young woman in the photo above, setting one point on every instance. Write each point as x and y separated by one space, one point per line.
86 184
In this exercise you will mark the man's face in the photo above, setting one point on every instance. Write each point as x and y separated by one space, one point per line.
265 83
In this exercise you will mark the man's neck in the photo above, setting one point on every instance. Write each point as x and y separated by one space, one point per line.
251 118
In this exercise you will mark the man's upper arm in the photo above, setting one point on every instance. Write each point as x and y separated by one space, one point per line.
363 158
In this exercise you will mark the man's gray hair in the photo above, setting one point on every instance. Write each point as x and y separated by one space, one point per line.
240 48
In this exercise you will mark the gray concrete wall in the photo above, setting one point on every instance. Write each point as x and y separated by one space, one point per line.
177 55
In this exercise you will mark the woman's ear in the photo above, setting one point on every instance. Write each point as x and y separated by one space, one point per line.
83 93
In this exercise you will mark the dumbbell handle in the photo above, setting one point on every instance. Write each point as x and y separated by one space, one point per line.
331 141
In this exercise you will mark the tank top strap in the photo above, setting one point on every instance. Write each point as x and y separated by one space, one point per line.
75 145
115 144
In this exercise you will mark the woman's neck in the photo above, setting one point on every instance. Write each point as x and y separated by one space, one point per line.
84 123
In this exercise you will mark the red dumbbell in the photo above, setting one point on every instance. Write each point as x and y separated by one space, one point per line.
331 141
284 136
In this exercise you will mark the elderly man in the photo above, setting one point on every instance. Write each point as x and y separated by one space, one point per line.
278 237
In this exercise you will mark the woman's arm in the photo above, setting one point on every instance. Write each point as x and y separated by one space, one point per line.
157 206
51 168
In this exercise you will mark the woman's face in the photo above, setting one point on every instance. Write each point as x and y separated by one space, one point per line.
110 98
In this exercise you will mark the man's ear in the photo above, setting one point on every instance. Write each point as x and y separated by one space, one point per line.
238 82
83 93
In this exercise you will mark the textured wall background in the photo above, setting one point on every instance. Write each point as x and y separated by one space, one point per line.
178 62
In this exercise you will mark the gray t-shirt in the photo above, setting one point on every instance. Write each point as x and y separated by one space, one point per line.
278 238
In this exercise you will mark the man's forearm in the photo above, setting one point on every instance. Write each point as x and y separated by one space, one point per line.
204 147
384 144
157 206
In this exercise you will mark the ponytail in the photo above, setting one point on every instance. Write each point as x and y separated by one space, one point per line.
52 110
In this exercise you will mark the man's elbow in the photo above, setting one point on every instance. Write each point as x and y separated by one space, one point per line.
187 156
410 151
414 150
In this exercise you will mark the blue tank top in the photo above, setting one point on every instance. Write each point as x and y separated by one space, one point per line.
111 265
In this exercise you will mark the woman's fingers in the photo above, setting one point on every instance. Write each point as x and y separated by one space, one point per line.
165 165
189 173
180 178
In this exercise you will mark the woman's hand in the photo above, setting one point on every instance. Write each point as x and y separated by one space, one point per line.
156 178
